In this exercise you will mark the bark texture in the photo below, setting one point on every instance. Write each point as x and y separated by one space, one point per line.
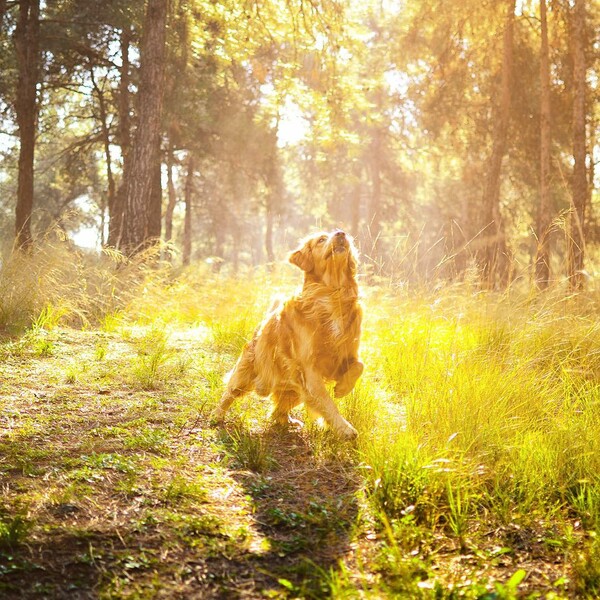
27 45
544 216
576 240
141 224
493 257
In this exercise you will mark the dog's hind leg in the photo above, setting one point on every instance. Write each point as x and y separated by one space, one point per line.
240 382
318 400
284 403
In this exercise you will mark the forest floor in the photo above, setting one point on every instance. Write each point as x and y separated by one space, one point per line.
113 484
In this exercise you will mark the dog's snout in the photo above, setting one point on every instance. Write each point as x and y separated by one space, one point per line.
339 233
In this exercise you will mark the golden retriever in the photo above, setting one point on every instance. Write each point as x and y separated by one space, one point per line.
308 340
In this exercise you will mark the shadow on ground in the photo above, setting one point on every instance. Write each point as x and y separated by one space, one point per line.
130 535
305 505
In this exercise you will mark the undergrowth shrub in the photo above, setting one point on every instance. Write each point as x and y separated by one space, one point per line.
156 361
55 283
398 482
47 279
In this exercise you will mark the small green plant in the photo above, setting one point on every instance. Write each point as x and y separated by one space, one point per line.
153 354
111 322
112 461
72 374
180 488
250 450
38 341
42 346
335 582
148 439
200 525
585 500
100 349
508 590
459 503
49 318
13 531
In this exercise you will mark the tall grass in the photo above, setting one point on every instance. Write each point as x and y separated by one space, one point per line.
501 399
55 283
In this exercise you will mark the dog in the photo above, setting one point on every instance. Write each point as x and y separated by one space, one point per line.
307 341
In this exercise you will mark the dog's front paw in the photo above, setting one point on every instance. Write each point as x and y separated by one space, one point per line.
346 431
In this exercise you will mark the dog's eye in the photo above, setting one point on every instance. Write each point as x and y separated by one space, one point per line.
322 239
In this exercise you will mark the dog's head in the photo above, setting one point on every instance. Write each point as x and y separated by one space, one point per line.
327 258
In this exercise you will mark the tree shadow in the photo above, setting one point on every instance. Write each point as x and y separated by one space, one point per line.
305 505
107 538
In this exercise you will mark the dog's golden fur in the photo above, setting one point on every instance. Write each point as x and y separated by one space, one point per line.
308 340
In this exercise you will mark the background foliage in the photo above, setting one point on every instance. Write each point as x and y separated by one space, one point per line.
373 116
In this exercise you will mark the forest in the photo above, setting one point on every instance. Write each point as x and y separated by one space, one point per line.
443 136
161 159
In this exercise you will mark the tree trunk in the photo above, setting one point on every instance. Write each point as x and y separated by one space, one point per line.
116 209
124 123
493 256
106 143
155 202
274 197
171 195
27 51
576 240
187 223
542 262
140 224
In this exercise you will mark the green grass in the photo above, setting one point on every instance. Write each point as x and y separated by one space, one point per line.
13 532
475 474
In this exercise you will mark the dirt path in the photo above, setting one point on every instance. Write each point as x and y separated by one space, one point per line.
112 490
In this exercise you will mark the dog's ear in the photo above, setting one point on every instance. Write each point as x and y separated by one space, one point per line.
303 258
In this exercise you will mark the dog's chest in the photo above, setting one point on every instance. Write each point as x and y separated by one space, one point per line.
331 319
336 327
